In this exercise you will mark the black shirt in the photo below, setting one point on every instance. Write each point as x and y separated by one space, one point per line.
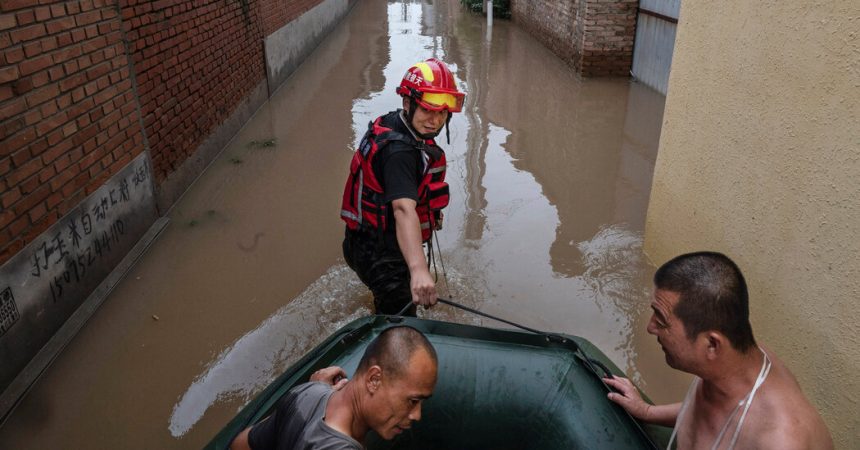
399 168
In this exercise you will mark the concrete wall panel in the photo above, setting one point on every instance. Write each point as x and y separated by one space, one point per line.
759 159
287 47
43 284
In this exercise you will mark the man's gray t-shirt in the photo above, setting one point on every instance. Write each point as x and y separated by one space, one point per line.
298 423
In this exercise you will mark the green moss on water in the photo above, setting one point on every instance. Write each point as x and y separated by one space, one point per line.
266 143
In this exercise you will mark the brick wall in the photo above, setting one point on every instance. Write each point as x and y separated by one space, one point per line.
194 62
553 22
68 116
594 36
87 85
609 29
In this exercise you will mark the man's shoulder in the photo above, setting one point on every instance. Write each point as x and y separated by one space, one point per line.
782 417
311 388
392 121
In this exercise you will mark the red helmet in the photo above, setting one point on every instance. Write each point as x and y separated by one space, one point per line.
432 85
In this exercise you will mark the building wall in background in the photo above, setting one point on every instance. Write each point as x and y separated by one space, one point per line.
594 36
194 62
760 159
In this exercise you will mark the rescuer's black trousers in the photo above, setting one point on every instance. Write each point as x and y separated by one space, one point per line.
382 269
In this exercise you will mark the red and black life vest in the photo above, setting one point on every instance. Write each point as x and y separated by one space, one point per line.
363 206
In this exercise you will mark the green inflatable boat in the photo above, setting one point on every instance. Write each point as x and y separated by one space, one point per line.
496 390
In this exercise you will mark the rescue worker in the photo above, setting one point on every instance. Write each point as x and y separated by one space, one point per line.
396 190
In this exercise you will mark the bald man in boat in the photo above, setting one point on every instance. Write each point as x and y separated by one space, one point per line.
395 375
743 396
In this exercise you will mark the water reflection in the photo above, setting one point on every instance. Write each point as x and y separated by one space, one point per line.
257 358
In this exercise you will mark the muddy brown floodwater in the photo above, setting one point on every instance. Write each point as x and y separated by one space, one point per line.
550 178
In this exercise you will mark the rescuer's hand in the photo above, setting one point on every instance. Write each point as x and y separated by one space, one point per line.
423 288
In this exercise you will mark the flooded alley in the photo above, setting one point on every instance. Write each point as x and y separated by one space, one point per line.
550 178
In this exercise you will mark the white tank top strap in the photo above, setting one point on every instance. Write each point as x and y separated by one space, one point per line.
691 392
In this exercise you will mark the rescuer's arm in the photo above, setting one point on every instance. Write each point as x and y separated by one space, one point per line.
629 399
408 229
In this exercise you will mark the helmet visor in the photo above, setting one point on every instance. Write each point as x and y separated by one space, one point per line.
437 101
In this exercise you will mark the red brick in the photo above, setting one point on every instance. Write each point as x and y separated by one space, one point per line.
36 213
25 171
87 18
54 200
10 197
92 31
34 65
9 73
6 217
7 21
20 157
55 73
63 101
5 166
10 109
38 146
49 43
14 54
45 175
62 178
40 79
70 67
78 35
51 123
43 13
58 10
29 186
32 49
56 151
64 39
66 54
11 5
25 17
69 129
27 33
59 25
18 141
42 95
62 162
22 86
55 137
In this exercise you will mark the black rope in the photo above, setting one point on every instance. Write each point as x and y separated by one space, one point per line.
405 308
489 316
592 364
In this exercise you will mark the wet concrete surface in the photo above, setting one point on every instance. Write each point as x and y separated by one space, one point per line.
550 177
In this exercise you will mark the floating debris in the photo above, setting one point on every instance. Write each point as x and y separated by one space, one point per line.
262 144
236 160
156 318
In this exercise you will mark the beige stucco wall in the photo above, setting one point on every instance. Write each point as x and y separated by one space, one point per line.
760 158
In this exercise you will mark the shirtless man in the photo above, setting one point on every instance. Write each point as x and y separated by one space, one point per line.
743 396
